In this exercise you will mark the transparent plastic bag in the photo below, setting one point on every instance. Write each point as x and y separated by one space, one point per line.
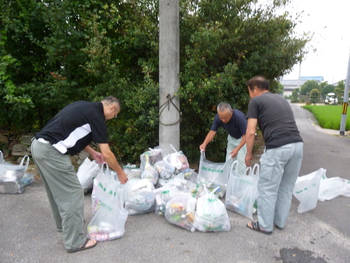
173 187
87 171
214 175
177 160
132 171
153 156
164 169
140 197
108 223
211 214
12 172
101 187
306 190
242 190
149 172
180 211
333 187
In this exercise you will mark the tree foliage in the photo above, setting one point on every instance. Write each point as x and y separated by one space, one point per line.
314 96
339 90
295 95
55 52
308 86
327 89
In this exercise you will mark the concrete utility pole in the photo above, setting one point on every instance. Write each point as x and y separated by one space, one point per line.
169 82
345 101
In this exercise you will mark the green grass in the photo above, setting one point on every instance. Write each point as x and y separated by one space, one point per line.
329 116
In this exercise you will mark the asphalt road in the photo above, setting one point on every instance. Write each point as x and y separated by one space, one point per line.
27 231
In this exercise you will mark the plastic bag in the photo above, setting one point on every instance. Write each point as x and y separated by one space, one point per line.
306 190
102 187
14 187
11 172
149 172
331 188
242 190
108 223
180 211
164 169
27 178
214 175
153 156
140 197
87 171
177 160
211 214
132 171
173 187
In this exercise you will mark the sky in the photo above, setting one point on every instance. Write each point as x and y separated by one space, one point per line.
330 23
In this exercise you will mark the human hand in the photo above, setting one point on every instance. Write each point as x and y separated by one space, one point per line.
202 147
98 157
122 177
248 158
234 153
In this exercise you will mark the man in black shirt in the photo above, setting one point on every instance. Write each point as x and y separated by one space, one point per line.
68 133
281 161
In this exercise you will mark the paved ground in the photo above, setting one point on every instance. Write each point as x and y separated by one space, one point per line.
27 232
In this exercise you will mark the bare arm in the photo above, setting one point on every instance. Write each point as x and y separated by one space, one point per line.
96 155
250 137
112 162
210 136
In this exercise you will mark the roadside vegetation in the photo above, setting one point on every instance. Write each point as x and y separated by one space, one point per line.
55 52
328 116
312 92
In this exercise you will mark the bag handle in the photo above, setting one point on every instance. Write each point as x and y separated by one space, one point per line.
255 170
25 158
173 147
104 171
234 163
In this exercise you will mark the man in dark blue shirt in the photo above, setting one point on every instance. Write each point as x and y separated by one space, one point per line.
235 123
68 133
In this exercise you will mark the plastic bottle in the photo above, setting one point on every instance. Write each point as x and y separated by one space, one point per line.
99 236
160 206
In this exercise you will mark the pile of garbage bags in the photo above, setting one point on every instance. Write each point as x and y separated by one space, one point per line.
13 178
167 186
164 185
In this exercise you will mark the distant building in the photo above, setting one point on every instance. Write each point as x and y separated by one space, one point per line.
291 84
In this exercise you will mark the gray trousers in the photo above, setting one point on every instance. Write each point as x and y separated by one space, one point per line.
279 169
65 193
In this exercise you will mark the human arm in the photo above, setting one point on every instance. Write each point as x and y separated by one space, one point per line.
210 136
250 137
112 162
94 154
